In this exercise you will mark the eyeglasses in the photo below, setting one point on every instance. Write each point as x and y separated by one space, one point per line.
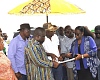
77 34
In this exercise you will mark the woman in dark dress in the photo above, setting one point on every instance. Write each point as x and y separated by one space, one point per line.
85 67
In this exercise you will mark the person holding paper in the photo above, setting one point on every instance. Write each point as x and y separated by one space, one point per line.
65 44
85 67
38 66
51 45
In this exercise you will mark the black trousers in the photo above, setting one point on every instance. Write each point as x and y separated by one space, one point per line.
24 77
84 74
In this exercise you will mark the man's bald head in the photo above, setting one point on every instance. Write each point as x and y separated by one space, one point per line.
38 31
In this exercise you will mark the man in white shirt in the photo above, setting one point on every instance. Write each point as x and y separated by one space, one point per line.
50 45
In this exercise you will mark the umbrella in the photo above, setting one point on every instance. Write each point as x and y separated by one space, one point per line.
46 7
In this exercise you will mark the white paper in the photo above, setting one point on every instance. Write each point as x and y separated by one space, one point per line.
66 60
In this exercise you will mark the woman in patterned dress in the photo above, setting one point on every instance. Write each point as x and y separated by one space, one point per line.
6 72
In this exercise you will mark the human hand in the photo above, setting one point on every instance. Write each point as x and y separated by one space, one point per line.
69 55
63 55
18 75
79 56
54 57
60 58
55 64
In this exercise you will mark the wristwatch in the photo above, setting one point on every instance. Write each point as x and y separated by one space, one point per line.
82 56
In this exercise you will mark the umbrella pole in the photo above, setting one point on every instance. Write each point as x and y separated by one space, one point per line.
47 18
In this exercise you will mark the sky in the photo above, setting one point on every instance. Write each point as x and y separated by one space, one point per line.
10 23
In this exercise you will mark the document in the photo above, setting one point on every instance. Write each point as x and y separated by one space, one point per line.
66 60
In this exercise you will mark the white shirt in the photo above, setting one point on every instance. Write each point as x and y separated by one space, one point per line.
51 46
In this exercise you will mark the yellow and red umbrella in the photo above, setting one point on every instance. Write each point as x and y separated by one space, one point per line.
46 7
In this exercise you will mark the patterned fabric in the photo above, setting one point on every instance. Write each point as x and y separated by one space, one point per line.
6 72
38 67
37 6
92 62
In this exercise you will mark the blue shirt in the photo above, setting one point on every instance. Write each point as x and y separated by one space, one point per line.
87 46
16 54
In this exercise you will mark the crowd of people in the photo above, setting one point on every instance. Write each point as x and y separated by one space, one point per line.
35 55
